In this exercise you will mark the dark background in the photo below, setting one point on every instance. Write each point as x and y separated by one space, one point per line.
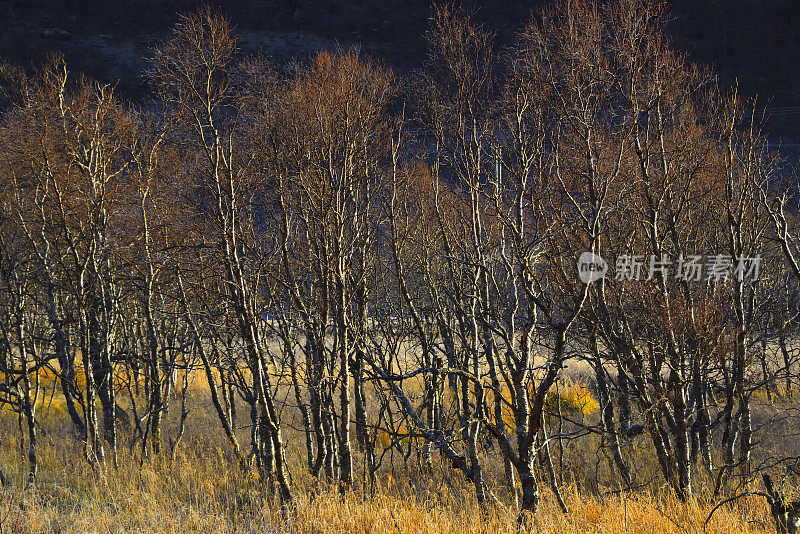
756 42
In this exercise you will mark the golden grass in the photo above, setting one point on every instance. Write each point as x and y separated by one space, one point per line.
203 490
164 501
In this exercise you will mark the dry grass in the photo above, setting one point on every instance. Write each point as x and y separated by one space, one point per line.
180 499
202 490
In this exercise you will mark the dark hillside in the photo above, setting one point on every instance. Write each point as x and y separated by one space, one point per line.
756 42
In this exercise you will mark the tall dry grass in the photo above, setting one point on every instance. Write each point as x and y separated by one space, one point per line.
201 489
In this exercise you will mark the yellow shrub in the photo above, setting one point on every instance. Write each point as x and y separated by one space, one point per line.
573 397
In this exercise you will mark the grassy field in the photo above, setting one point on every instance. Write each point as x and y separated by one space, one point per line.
198 487
199 492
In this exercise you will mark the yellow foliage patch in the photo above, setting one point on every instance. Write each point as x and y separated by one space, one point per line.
573 396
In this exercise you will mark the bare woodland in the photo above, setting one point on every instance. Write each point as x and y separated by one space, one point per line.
368 272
